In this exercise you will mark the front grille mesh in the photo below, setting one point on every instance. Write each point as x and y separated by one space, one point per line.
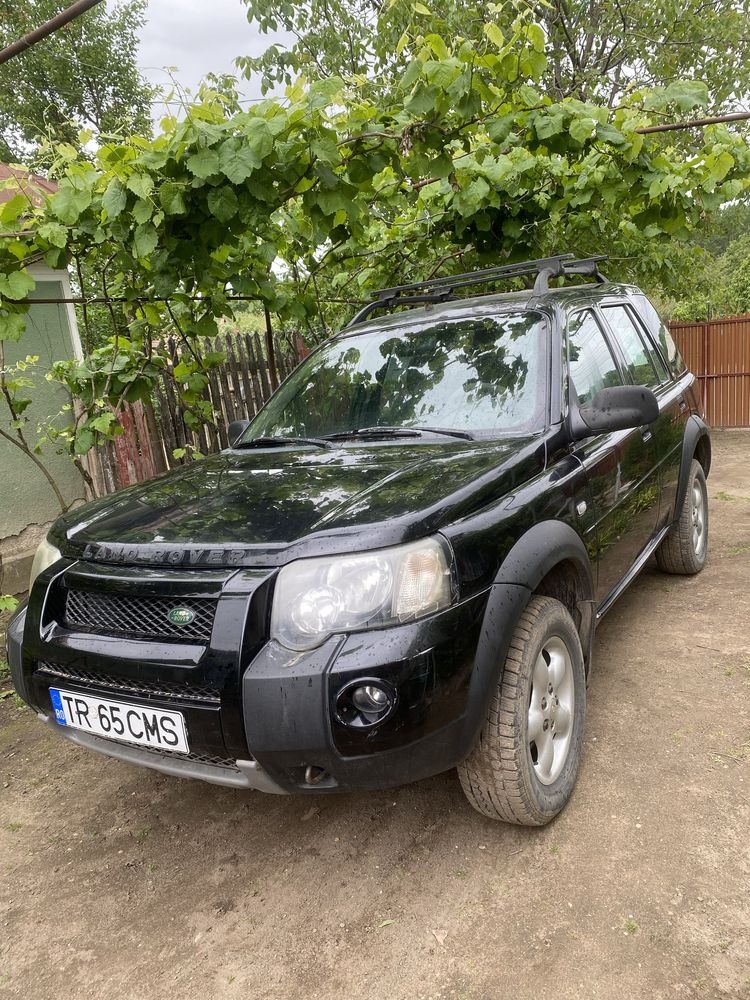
138 617
227 763
126 685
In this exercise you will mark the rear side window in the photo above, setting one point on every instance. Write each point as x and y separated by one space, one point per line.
591 365
662 335
639 358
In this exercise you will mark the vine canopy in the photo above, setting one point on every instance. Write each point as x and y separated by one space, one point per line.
311 201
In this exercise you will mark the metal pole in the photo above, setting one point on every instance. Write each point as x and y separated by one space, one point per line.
736 116
63 18
270 350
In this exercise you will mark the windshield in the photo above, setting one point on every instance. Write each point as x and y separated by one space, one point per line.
478 374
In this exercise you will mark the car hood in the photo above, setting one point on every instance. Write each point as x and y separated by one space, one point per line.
265 506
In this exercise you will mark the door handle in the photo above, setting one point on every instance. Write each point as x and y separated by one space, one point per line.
646 433
682 404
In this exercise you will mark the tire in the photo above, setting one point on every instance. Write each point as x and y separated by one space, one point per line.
685 548
506 776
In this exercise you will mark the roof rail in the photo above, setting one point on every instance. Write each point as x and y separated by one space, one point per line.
442 289
588 266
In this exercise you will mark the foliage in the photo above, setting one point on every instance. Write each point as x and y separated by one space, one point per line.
720 285
83 76
717 282
306 205
7 603
597 50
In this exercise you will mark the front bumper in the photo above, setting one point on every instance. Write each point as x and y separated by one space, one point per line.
258 715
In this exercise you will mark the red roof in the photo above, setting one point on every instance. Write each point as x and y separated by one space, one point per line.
33 185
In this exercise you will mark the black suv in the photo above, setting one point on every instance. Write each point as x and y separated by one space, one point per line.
398 566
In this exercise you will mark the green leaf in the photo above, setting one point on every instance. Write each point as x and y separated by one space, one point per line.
610 134
171 198
423 100
402 43
470 199
84 441
140 184
582 129
495 35
142 210
115 199
237 160
102 422
12 326
204 163
223 203
410 77
501 127
547 124
16 285
687 94
420 8
145 240
536 36
11 209
385 923
259 138
69 203
528 96
54 233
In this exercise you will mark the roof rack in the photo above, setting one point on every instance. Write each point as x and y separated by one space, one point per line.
442 289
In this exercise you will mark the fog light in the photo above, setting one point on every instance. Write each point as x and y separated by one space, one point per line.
369 698
365 702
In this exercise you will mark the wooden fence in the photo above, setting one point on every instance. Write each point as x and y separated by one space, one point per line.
152 433
719 353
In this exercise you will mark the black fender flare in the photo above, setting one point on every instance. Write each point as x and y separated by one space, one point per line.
539 550
697 436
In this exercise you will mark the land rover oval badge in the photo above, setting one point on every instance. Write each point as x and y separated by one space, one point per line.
181 616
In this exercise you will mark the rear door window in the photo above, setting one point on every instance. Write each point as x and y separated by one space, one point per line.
639 358
658 329
591 364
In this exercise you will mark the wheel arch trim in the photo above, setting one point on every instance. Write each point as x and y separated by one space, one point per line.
696 437
543 547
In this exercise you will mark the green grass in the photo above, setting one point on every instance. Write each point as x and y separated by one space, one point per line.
630 926
737 550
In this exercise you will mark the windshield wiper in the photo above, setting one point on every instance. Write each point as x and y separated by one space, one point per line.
364 432
282 442
448 431
393 432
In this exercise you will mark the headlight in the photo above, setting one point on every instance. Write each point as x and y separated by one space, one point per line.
45 555
316 597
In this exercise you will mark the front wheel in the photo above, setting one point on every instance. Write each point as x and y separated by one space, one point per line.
525 763
685 548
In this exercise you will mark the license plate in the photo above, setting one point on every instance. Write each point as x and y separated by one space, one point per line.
115 720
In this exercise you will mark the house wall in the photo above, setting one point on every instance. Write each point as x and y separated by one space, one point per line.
27 504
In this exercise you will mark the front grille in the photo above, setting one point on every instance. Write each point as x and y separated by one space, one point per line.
126 685
138 617
228 763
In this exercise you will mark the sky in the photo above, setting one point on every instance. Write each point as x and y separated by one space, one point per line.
198 37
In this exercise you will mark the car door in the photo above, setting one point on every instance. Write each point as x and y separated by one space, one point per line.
673 393
621 465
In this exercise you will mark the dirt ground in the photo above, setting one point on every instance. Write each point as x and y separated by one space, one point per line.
117 882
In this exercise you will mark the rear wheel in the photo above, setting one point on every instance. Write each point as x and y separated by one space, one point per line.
524 766
685 548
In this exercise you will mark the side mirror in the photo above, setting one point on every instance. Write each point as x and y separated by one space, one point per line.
235 429
616 408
